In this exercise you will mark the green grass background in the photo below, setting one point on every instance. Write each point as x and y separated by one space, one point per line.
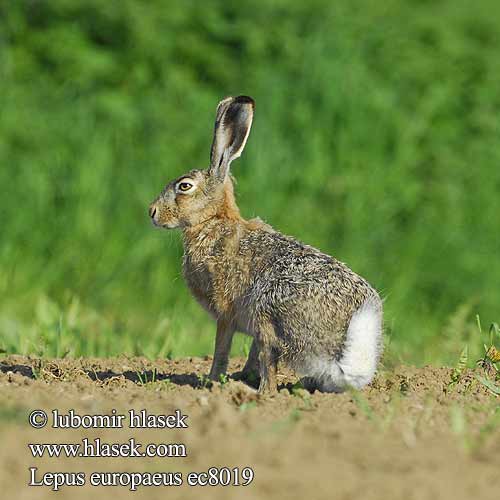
376 138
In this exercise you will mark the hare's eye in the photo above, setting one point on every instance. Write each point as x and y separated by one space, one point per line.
184 186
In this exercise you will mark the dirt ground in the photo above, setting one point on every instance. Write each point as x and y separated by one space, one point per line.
409 435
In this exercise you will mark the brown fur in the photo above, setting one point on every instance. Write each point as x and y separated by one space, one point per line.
295 301
228 208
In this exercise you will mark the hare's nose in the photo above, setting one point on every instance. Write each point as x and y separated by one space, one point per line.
152 211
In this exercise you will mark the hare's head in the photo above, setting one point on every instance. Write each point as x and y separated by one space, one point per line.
200 195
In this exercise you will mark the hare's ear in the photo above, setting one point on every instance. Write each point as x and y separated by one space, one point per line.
232 126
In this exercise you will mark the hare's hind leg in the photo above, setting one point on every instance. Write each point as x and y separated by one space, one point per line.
250 372
268 358
223 340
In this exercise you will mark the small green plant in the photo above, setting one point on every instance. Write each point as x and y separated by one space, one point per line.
36 369
146 380
297 389
223 379
491 358
204 382
461 365
140 377
495 389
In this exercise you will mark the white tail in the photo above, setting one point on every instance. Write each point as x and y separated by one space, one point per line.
360 355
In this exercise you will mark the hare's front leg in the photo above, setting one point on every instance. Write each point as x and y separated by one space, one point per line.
268 359
223 340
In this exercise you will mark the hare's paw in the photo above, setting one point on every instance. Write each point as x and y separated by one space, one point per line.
310 384
250 377
268 386
216 375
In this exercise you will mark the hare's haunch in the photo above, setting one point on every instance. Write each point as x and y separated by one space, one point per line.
300 306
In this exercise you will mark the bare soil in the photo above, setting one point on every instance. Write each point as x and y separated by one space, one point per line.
409 435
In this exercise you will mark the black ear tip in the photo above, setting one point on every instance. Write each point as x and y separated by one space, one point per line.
244 99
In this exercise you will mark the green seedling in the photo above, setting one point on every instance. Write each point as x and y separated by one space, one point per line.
297 389
495 389
461 365
204 382
145 380
489 362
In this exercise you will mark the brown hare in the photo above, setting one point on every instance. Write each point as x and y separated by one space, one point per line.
300 305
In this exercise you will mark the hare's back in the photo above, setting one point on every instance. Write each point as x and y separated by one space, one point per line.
286 262
309 295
